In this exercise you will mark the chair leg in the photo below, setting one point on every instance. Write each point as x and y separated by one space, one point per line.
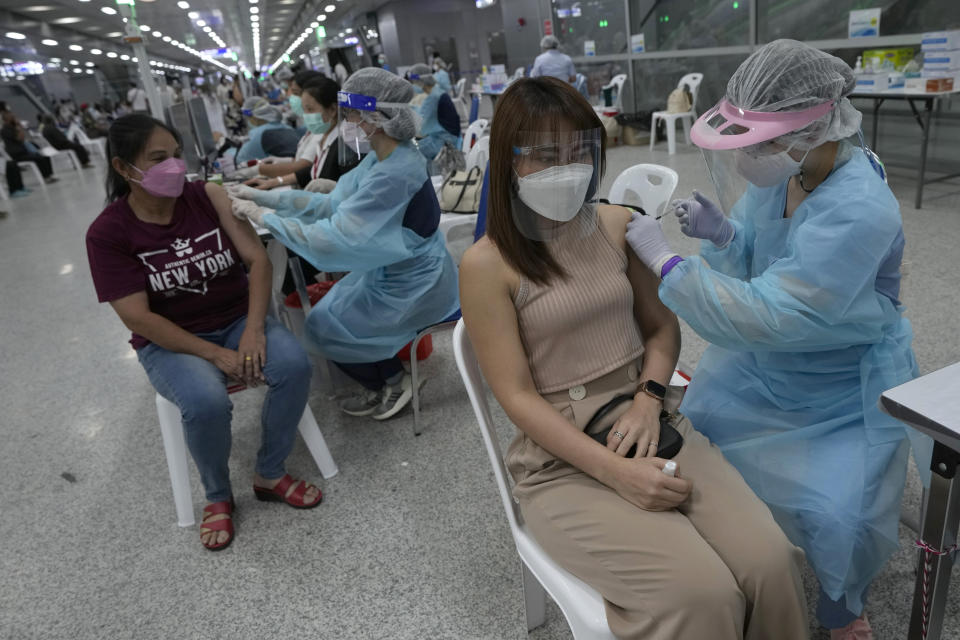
312 435
653 131
175 446
415 382
687 122
534 598
671 135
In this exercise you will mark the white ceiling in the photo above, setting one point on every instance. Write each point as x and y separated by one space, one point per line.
83 23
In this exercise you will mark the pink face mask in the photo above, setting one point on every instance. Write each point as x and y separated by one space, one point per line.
164 179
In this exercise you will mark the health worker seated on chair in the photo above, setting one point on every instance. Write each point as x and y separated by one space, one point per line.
380 224
441 122
797 289
262 117
565 319
319 104
169 257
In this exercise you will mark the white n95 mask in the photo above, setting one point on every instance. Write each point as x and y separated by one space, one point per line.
556 193
769 170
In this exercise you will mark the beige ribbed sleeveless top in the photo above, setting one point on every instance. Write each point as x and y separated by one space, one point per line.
578 328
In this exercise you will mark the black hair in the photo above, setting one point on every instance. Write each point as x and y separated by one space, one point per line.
126 139
323 90
305 77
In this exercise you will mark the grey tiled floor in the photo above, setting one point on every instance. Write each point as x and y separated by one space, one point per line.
411 541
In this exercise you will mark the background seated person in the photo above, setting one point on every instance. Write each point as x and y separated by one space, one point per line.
441 122
262 117
52 134
15 142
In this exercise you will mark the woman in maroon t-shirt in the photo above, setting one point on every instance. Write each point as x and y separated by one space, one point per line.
169 257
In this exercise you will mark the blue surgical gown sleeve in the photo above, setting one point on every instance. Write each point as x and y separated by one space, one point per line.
359 225
252 149
428 111
816 292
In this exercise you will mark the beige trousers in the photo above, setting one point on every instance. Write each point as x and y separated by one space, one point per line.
716 568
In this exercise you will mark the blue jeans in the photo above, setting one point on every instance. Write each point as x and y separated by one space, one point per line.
199 389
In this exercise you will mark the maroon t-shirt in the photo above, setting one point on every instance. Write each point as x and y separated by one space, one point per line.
189 268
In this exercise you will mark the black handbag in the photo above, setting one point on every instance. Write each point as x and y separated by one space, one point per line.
670 439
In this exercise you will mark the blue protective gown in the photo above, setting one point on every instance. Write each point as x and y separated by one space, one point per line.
434 135
252 149
443 79
380 224
806 332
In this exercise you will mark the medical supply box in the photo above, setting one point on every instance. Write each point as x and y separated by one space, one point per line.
875 58
876 82
940 40
941 60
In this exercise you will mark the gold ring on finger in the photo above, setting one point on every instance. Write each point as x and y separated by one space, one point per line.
652 444
248 358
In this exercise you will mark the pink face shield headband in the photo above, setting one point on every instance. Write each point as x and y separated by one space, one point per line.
728 127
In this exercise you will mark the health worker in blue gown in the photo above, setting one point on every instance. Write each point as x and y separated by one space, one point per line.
798 294
441 122
380 224
263 117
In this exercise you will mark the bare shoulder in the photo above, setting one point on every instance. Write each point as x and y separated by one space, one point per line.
214 191
614 219
482 264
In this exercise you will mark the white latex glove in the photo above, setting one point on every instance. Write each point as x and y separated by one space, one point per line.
320 185
646 238
700 218
245 209
246 173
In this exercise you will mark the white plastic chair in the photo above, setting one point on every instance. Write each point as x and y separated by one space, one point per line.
581 605
475 130
649 186
692 81
77 134
617 83
3 184
175 446
478 155
53 153
25 166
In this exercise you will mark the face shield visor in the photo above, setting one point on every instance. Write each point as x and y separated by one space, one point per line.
741 148
359 118
556 179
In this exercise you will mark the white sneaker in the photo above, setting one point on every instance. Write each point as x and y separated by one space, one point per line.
361 403
395 398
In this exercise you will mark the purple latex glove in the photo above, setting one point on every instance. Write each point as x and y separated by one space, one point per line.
700 218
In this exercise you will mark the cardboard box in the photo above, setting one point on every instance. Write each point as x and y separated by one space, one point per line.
897 57
941 60
940 40
929 85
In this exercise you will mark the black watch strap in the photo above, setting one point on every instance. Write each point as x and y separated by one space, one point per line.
653 389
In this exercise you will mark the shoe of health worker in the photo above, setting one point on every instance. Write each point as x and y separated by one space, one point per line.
361 403
395 397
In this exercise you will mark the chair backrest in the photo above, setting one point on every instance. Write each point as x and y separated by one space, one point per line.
460 88
475 130
473 381
479 153
647 185
617 82
518 73
692 81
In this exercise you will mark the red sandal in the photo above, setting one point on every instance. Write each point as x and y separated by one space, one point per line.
224 524
279 493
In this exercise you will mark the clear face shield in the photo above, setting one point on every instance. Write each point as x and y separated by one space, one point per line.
556 179
742 148
359 118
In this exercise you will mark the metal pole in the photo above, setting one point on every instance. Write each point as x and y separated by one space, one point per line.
937 544
137 40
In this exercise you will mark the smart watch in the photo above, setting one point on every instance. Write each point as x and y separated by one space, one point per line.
653 389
